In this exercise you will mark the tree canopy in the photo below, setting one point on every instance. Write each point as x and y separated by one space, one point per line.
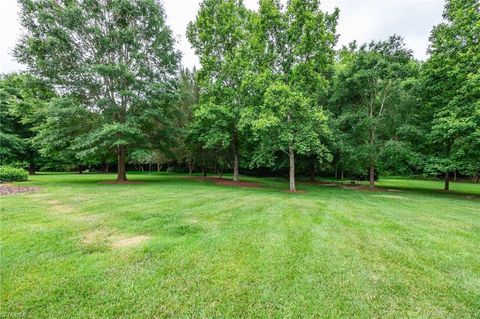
114 59
272 95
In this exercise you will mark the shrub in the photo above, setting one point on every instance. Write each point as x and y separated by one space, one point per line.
12 174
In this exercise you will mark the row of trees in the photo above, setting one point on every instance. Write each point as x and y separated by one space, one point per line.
103 79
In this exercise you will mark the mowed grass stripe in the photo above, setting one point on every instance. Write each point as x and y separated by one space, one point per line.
176 247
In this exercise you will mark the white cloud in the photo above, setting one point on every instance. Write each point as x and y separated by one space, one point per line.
9 32
361 20
375 20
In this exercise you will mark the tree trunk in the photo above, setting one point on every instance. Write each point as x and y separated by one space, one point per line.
106 168
159 167
477 178
122 154
455 175
235 167
291 156
312 171
80 169
341 173
371 178
447 181
31 169
190 167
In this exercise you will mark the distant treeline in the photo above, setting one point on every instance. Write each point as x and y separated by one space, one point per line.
105 91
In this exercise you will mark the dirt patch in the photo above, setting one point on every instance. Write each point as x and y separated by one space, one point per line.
121 182
129 242
8 189
59 207
226 182
95 237
101 239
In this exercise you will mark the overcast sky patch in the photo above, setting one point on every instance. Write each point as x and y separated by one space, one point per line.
359 20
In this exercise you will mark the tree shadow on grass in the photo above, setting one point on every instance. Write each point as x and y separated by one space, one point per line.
433 191
268 185
474 194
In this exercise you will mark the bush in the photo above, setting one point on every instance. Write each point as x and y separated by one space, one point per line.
12 174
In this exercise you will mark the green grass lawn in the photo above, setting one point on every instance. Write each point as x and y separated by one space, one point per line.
179 247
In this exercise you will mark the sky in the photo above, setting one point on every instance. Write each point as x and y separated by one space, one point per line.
361 20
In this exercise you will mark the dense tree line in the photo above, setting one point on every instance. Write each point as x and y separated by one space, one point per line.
104 89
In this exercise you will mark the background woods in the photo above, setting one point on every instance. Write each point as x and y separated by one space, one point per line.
104 91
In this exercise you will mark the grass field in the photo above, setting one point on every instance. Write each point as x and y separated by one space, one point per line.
180 247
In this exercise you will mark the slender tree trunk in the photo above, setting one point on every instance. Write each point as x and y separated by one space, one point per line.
371 178
477 178
106 168
447 181
235 167
236 152
312 171
31 169
341 173
122 154
291 156
149 167
80 169
455 175
159 167
190 167
371 169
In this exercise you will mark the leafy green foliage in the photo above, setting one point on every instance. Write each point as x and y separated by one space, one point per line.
369 100
271 93
12 174
294 54
114 59
220 35
452 91
287 120
23 100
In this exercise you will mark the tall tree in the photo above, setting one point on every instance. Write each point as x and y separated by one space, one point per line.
452 91
295 55
219 35
188 102
23 101
66 125
288 124
367 94
114 58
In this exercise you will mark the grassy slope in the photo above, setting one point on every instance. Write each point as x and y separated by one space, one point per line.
222 251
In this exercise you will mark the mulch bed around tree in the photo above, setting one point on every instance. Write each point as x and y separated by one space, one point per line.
225 182
9 189
114 182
